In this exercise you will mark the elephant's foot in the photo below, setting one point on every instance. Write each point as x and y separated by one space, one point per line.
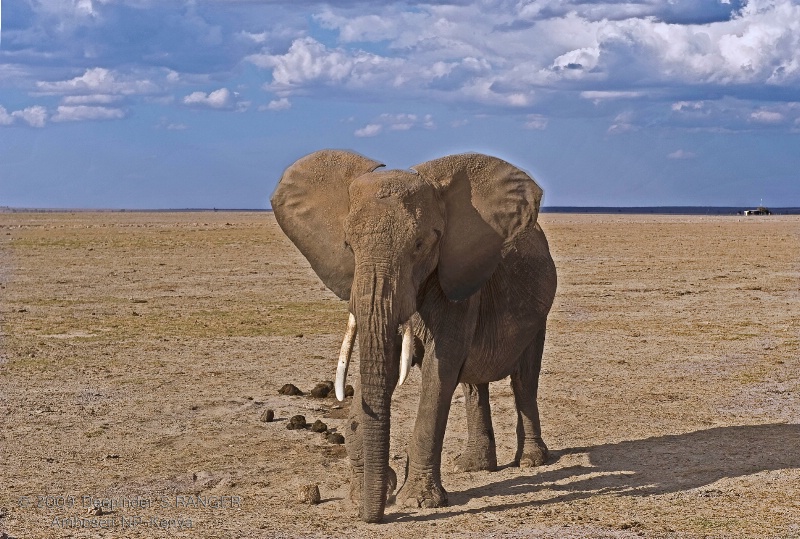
476 460
532 454
357 483
422 490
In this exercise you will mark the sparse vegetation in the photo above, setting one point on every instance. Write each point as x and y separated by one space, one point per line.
141 354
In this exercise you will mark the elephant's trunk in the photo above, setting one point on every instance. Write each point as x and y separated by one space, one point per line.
379 364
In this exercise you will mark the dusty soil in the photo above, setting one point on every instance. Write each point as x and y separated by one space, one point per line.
140 352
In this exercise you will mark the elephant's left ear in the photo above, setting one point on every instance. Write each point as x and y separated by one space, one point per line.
488 202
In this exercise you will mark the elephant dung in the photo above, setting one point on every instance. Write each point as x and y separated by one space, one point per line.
289 389
335 438
321 390
297 422
349 391
268 416
309 494
319 426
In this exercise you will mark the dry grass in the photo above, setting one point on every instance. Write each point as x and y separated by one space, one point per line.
139 350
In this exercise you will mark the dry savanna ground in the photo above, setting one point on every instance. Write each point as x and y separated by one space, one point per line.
140 351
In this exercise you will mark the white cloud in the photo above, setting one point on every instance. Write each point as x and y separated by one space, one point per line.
472 53
35 116
681 154
5 117
369 130
218 99
361 28
308 61
492 53
681 106
279 104
757 46
66 113
96 81
577 60
767 117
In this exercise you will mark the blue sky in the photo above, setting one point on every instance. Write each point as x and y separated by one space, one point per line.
203 103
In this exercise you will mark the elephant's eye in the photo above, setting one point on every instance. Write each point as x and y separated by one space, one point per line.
419 244
347 245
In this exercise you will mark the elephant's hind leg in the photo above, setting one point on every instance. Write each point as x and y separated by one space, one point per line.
531 449
480 453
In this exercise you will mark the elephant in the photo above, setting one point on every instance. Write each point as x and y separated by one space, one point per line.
444 265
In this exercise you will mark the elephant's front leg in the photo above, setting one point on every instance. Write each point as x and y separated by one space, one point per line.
480 453
423 486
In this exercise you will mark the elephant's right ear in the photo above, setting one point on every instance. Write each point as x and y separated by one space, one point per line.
310 205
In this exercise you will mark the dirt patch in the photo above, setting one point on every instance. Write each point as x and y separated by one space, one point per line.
140 353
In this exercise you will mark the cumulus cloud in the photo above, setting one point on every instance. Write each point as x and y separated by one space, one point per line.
5 117
372 27
278 104
515 56
218 99
308 61
757 45
35 116
98 81
77 113
492 54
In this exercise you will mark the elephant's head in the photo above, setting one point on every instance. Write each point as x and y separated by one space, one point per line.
376 237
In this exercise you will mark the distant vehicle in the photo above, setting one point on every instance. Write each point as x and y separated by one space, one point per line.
761 210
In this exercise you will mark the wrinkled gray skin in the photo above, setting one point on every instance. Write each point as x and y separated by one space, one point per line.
452 245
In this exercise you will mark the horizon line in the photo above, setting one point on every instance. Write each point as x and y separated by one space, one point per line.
668 209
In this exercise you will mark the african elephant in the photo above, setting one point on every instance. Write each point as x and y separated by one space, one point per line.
449 256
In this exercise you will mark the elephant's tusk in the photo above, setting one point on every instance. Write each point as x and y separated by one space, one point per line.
344 356
406 352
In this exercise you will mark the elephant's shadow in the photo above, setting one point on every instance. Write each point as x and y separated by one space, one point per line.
651 466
